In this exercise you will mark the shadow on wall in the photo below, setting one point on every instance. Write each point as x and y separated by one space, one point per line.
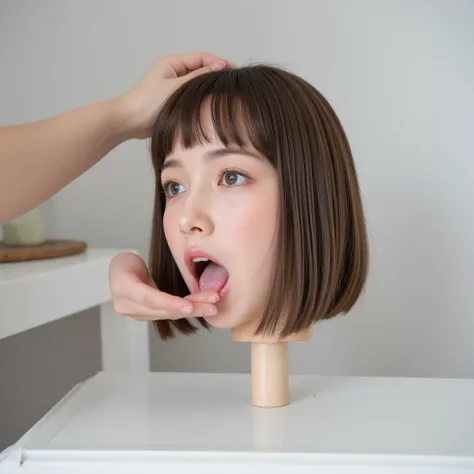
206 351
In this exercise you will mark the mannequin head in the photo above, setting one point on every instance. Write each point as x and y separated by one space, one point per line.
254 170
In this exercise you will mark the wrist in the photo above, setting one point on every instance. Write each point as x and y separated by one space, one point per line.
128 117
120 119
117 116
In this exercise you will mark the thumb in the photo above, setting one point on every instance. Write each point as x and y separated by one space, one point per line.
152 283
217 66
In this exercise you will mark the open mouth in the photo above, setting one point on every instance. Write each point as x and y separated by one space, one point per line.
200 264
208 274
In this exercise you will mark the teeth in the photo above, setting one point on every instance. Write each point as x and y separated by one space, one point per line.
200 259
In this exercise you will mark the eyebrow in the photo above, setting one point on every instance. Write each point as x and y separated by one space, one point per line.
212 155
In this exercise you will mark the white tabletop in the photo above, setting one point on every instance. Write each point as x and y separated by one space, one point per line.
188 421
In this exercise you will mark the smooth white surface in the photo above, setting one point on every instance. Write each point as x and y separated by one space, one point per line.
205 422
41 291
399 74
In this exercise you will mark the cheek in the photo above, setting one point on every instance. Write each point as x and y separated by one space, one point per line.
251 223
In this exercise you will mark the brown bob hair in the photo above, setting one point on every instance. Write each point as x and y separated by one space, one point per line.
323 264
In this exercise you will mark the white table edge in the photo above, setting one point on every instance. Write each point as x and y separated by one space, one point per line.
19 456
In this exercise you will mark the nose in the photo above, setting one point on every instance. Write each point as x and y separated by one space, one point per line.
195 220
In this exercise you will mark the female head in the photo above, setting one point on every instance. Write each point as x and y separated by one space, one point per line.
253 170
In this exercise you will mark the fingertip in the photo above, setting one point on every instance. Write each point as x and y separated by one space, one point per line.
204 296
218 66
213 298
187 309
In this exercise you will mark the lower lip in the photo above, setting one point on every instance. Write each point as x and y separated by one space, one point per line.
225 289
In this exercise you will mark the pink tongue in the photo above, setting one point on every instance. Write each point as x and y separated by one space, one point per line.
213 278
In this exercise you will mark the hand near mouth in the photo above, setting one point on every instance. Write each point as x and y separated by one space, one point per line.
135 294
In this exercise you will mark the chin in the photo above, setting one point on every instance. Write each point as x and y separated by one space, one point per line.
225 320
218 322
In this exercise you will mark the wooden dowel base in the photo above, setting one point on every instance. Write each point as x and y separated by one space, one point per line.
270 381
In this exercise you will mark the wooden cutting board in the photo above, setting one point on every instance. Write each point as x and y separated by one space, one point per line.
50 249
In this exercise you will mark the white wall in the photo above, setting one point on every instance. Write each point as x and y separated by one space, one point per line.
399 73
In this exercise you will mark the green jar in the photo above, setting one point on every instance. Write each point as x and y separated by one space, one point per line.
27 229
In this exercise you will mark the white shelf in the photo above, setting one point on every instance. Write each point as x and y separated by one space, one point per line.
40 291
37 292
183 423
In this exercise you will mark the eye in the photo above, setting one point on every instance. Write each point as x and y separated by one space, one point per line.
172 188
232 178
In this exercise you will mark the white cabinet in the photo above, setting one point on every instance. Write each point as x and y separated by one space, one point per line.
204 423
128 420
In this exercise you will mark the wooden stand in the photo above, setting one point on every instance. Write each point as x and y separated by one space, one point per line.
270 382
269 365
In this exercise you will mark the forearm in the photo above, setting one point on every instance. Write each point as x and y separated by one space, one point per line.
38 159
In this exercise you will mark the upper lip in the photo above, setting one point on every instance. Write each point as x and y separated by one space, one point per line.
194 252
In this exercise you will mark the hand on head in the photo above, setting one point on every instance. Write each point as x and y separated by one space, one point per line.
135 294
143 101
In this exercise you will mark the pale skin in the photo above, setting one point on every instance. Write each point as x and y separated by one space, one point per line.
222 201
39 159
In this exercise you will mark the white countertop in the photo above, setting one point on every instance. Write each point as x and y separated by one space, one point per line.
40 291
206 423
